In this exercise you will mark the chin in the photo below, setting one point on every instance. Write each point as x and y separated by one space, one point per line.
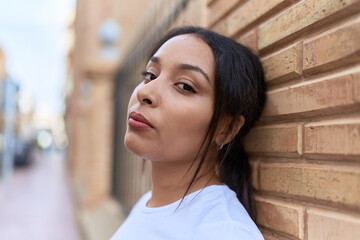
134 145
129 142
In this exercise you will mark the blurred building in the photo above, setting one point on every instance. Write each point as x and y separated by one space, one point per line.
25 117
3 75
2 79
94 56
304 151
2 65
8 114
16 127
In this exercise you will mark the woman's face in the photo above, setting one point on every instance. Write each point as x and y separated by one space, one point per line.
170 111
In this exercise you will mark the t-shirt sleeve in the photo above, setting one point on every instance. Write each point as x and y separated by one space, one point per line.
228 231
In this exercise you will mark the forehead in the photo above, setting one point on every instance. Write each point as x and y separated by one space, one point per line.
187 49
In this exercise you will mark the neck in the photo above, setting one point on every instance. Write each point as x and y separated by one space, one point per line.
171 180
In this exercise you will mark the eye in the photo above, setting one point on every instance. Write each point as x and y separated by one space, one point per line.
186 87
148 76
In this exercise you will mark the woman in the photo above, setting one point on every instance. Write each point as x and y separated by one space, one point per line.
201 93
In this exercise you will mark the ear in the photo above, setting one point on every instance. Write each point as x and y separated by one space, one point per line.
226 132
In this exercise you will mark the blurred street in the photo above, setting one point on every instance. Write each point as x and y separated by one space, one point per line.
38 204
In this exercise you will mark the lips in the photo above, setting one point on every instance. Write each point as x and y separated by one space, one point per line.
138 121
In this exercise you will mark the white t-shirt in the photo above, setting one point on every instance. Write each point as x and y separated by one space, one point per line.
211 213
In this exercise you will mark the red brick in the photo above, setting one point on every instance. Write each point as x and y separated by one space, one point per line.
273 236
332 183
219 8
324 224
179 21
280 216
249 40
357 91
340 136
275 139
315 97
300 17
283 65
195 13
209 2
332 49
240 18
220 27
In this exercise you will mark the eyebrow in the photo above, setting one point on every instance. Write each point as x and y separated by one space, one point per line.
184 66
154 59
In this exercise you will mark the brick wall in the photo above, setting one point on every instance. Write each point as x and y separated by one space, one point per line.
305 151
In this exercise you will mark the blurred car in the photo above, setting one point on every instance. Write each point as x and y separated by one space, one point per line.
22 153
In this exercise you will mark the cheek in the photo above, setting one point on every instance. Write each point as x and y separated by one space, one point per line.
130 139
191 117
181 125
185 131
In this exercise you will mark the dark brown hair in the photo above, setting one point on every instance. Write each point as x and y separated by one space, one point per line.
239 91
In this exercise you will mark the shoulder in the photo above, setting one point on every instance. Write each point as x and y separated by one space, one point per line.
222 202
226 230
224 217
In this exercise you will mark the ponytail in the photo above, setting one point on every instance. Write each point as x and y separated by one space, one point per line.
235 172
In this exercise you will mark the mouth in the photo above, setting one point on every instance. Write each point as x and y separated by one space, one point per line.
138 121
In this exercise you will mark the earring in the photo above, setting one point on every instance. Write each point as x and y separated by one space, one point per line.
220 147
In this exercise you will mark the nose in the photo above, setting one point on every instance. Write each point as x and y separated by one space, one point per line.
146 94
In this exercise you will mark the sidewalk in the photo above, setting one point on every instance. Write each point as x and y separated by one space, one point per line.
38 205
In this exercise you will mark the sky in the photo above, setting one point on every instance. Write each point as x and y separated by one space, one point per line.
33 37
